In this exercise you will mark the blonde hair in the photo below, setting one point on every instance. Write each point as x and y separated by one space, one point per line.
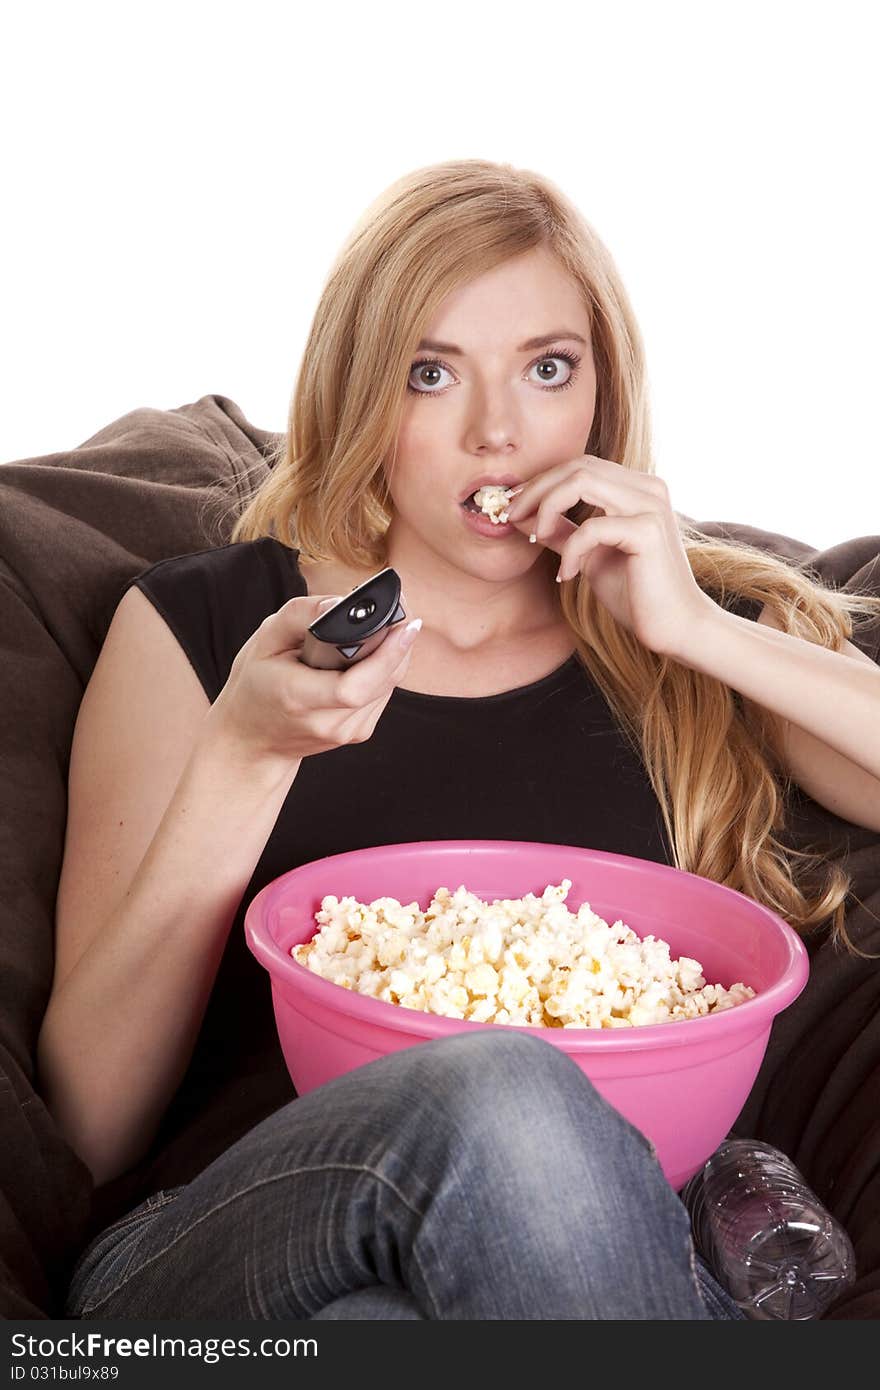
710 760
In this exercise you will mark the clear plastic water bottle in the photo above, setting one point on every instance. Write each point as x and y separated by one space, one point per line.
765 1235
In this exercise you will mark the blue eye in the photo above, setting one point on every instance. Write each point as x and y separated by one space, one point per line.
570 357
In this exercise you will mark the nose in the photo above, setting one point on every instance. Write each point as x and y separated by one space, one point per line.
492 426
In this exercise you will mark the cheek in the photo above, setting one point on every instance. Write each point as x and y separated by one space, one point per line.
405 478
580 415
422 451
417 433
566 422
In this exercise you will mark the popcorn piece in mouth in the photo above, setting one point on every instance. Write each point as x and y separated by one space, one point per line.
492 500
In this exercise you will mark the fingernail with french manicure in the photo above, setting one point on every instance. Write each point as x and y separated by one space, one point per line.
410 632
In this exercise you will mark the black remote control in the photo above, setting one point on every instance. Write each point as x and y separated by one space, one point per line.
356 625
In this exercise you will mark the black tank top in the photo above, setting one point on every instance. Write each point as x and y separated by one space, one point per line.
560 771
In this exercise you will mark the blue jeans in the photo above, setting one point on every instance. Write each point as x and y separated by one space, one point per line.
472 1177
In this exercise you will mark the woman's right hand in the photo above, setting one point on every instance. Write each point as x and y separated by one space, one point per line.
275 708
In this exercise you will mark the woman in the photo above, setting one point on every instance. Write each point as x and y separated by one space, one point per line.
481 1176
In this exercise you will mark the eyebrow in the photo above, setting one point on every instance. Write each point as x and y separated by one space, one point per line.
430 345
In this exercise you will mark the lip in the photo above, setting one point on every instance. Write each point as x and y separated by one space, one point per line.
484 526
488 480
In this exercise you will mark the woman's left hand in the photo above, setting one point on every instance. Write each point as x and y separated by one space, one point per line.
631 554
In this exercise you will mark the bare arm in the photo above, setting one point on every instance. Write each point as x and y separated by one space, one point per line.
171 803
121 1027
827 705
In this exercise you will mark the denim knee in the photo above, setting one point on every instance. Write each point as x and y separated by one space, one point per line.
501 1068
528 1160
512 1092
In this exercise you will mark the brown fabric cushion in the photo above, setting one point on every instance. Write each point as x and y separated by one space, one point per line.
74 527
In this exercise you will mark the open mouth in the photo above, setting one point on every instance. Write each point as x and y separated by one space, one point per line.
494 500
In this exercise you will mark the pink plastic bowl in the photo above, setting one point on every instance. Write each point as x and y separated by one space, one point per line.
682 1084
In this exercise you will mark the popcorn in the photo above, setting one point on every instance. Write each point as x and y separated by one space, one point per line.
493 501
517 960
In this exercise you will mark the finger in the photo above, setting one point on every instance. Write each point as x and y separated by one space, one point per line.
581 486
626 533
368 680
374 709
402 640
527 496
547 511
599 481
560 533
285 629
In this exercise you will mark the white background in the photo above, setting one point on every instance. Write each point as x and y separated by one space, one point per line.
177 179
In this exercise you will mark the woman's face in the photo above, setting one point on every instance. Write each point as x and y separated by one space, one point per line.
492 406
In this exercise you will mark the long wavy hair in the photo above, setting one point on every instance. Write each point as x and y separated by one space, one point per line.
709 758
